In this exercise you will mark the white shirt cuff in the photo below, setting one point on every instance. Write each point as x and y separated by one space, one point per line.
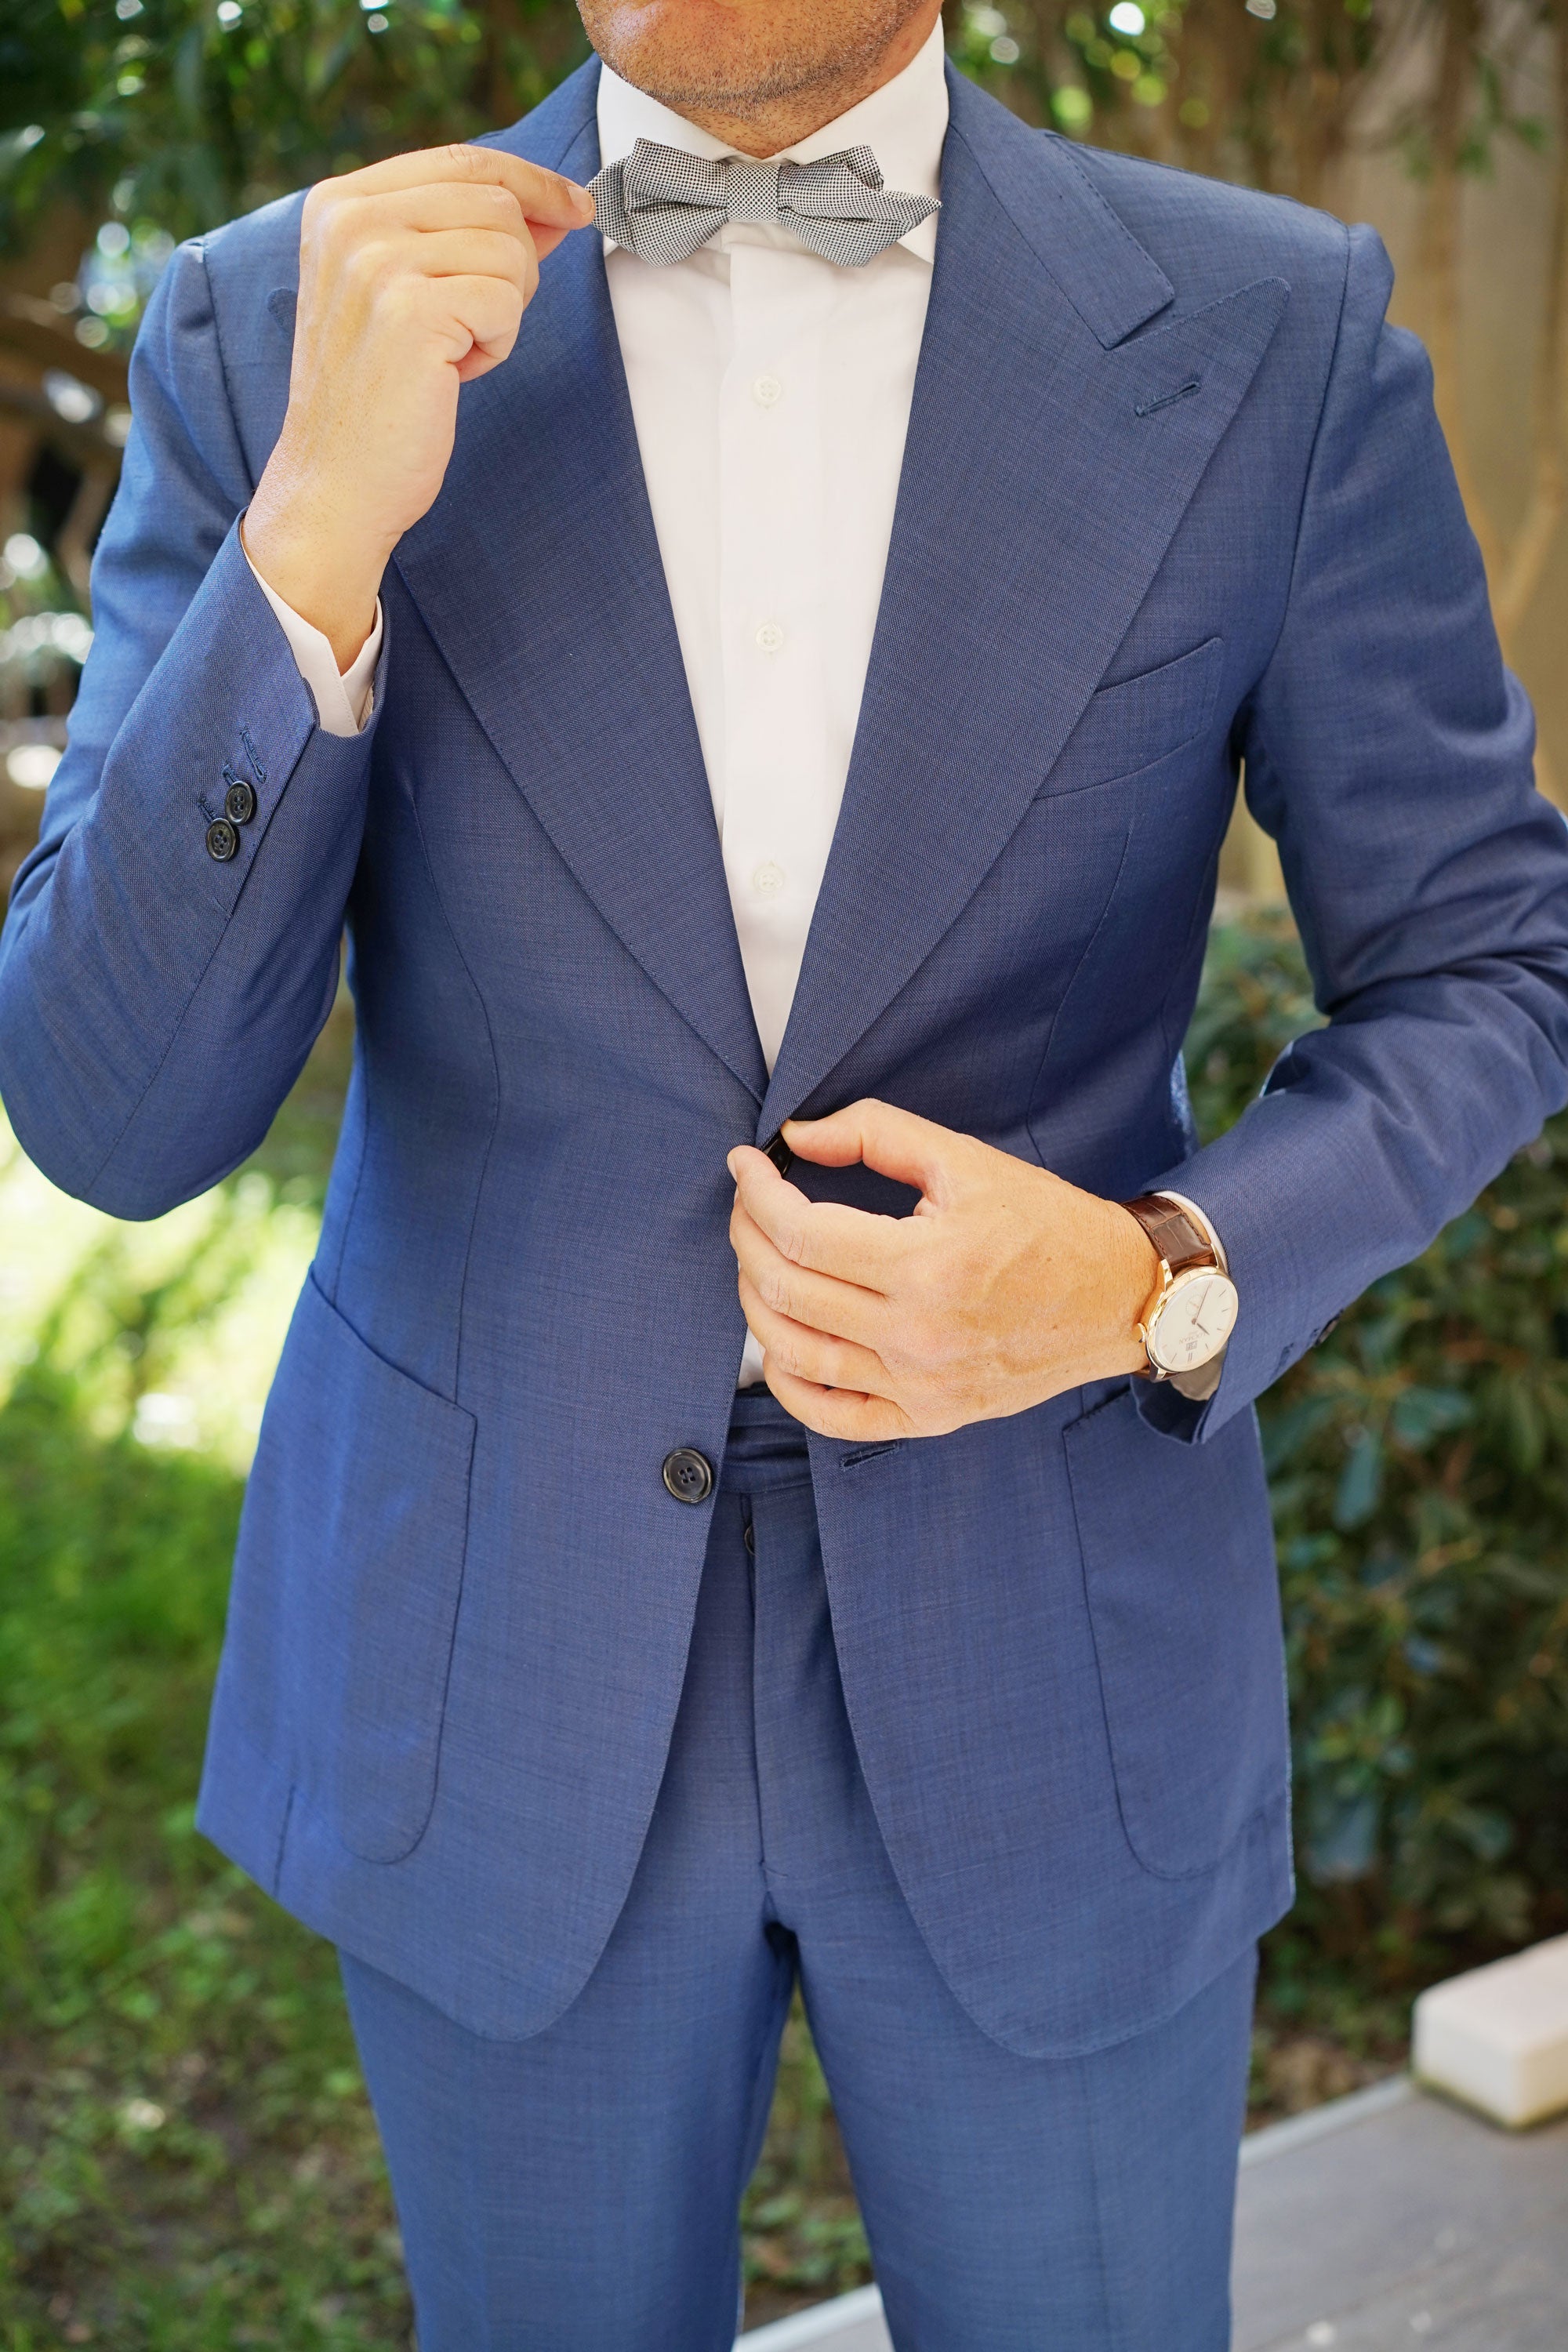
343 698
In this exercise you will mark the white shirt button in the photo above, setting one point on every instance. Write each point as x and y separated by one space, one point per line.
770 637
767 391
768 879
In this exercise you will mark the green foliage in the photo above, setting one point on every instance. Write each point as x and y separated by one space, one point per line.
1419 1467
1207 83
179 113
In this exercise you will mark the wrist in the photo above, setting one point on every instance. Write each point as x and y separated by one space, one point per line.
319 565
1134 1279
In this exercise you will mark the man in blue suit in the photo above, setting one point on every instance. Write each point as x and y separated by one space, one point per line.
775 681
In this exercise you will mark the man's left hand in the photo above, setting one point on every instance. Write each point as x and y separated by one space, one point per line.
1006 1286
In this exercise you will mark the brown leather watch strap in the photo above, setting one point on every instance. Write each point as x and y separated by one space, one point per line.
1176 1238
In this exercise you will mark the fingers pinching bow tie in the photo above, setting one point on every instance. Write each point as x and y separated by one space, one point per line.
662 203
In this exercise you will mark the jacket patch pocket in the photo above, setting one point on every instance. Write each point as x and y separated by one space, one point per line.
1127 727
1183 1599
347 1580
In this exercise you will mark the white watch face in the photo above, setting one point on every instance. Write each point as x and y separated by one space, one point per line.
1193 1321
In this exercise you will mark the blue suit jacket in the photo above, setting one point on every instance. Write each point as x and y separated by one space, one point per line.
1174 496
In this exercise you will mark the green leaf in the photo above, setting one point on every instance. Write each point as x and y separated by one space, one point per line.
1421 1415
1342 1843
1291 1432
1361 1483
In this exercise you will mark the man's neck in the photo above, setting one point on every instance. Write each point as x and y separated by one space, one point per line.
775 123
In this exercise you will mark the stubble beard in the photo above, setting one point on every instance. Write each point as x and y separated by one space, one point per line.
696 77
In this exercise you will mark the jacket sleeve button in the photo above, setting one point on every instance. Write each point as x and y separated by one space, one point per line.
239 803
688 1474
222 840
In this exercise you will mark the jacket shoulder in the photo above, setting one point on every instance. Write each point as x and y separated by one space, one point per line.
1137 244
1207 235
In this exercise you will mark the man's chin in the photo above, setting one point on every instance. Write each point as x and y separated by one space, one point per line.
704 55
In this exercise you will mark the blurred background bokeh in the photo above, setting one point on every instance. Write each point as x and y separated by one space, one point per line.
187 2162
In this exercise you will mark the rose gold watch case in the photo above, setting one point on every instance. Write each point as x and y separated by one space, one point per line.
1221 1305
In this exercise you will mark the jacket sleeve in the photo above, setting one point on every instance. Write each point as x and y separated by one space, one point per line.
156 1004
1389 754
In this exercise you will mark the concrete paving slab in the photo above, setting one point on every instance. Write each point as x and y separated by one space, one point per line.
1400 2222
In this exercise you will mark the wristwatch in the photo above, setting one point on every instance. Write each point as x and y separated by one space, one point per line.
1193 1313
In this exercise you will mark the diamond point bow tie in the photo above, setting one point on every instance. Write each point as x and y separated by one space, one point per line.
662 203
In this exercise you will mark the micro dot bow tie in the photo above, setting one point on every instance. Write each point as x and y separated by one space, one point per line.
662 203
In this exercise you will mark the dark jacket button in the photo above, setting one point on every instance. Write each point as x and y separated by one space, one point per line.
688 1474
239 803
781 1155
222 840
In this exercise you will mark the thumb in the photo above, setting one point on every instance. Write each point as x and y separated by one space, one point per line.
894 1142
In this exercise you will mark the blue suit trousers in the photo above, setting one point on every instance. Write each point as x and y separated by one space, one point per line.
577 2192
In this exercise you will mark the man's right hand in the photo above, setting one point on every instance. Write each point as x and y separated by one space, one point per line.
413 277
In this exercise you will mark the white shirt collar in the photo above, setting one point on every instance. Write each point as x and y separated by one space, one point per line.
904 124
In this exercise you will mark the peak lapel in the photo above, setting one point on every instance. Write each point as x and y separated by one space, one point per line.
538 574
1044 472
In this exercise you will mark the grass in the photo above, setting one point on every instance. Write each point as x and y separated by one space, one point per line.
187 2161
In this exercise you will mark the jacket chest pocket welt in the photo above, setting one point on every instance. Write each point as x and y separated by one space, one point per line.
347 1579
1184 1600
1143 719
